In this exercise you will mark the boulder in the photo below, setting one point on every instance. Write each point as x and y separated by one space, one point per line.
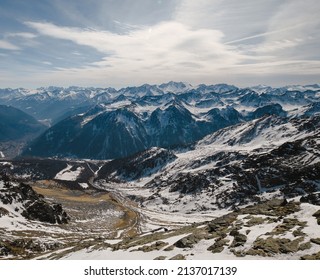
218 246
305 246
239 240
178 257
188 241
315 256
169 248
3 212
153 247
317 215
315 240
218 224
160 258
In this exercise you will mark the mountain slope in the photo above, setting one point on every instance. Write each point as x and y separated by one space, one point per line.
248 162
99 134
107 131
15 124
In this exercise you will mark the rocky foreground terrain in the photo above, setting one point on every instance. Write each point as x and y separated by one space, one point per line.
51 221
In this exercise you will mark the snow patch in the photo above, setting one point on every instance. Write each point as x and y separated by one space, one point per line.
84 185
68 175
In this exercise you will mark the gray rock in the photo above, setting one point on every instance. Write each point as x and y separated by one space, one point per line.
160 258
178 257
3 212
218 246
315 240
315 256
239 240
188 241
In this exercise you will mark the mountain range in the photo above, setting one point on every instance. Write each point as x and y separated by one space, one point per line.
158 163
207 141
110 124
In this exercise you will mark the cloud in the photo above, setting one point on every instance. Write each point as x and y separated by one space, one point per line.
24 35
236 19
198 41
47 62
278 27
290 36
261 35
8 46
162 47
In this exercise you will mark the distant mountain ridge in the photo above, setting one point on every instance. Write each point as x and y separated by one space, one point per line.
134 119
50 103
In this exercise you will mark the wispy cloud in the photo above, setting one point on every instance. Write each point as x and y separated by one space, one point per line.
24 35
8 46
47 62
263 35
164 46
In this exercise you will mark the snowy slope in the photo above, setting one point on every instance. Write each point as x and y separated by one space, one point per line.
233 166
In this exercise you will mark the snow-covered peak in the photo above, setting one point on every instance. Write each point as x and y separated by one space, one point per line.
266 132
218 88
261 89
175 87
314 87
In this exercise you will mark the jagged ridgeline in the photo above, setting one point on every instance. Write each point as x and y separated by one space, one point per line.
97 123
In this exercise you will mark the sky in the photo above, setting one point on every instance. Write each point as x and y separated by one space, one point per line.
118 43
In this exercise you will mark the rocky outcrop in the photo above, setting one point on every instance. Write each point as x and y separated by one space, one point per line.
317 215
30 204
3 212
313 198
153 247
42 211
315 256
287 225
315 240
239 240
222 223
218 246
25 246
274 207
178 257
271 246
188 241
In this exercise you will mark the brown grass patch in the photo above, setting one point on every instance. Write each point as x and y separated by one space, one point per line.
72 195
